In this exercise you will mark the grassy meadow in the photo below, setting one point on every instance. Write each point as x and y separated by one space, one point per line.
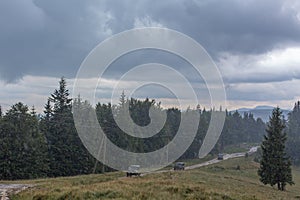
219 181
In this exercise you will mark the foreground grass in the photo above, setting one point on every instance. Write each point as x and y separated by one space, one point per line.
219 181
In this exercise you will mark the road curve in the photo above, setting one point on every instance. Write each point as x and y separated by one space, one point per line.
226 157
213 161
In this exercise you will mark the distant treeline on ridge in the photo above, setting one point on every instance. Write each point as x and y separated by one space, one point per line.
32 147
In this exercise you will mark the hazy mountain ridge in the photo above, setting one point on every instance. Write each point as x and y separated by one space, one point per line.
262 112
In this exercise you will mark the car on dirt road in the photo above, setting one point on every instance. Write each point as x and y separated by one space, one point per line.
133 170
179 166
220 156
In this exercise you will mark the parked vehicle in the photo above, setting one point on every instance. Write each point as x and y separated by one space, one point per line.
133 170
220 156
179 166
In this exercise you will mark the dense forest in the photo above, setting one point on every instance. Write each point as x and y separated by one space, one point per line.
48 145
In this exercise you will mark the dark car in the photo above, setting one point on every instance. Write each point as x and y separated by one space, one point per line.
220 156
179 166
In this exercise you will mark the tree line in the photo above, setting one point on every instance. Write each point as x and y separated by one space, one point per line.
49 146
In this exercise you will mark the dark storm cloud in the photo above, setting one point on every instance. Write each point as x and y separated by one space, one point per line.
53 37
240 26
47 37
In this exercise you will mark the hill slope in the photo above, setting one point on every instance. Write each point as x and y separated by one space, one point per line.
218 181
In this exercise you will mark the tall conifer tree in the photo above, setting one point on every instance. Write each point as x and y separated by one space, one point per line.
275 165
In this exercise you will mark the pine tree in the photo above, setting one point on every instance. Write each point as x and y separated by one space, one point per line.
46 120
32 111
60 97
67 154
23 151
60 130
122 99
275 165
293 143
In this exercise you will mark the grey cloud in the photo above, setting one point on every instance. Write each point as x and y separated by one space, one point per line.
54 45
257 96
278 91
275 66
262 78
238 26
53 37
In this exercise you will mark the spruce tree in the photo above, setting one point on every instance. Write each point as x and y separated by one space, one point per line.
23 151
46 120
60 129
293 143
67 154
275 165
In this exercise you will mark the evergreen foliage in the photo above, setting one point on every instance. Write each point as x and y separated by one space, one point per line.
23 150
293 131
67 154
34 146
275 165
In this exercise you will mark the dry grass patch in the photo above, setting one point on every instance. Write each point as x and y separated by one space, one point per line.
219 181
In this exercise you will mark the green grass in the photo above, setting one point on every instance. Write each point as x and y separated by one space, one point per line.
218 181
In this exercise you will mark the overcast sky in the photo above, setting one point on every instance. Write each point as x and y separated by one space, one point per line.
255 44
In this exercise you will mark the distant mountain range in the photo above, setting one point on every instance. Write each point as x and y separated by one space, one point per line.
262 112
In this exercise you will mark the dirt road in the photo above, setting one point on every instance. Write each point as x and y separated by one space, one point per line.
213 161
226 157
6 189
